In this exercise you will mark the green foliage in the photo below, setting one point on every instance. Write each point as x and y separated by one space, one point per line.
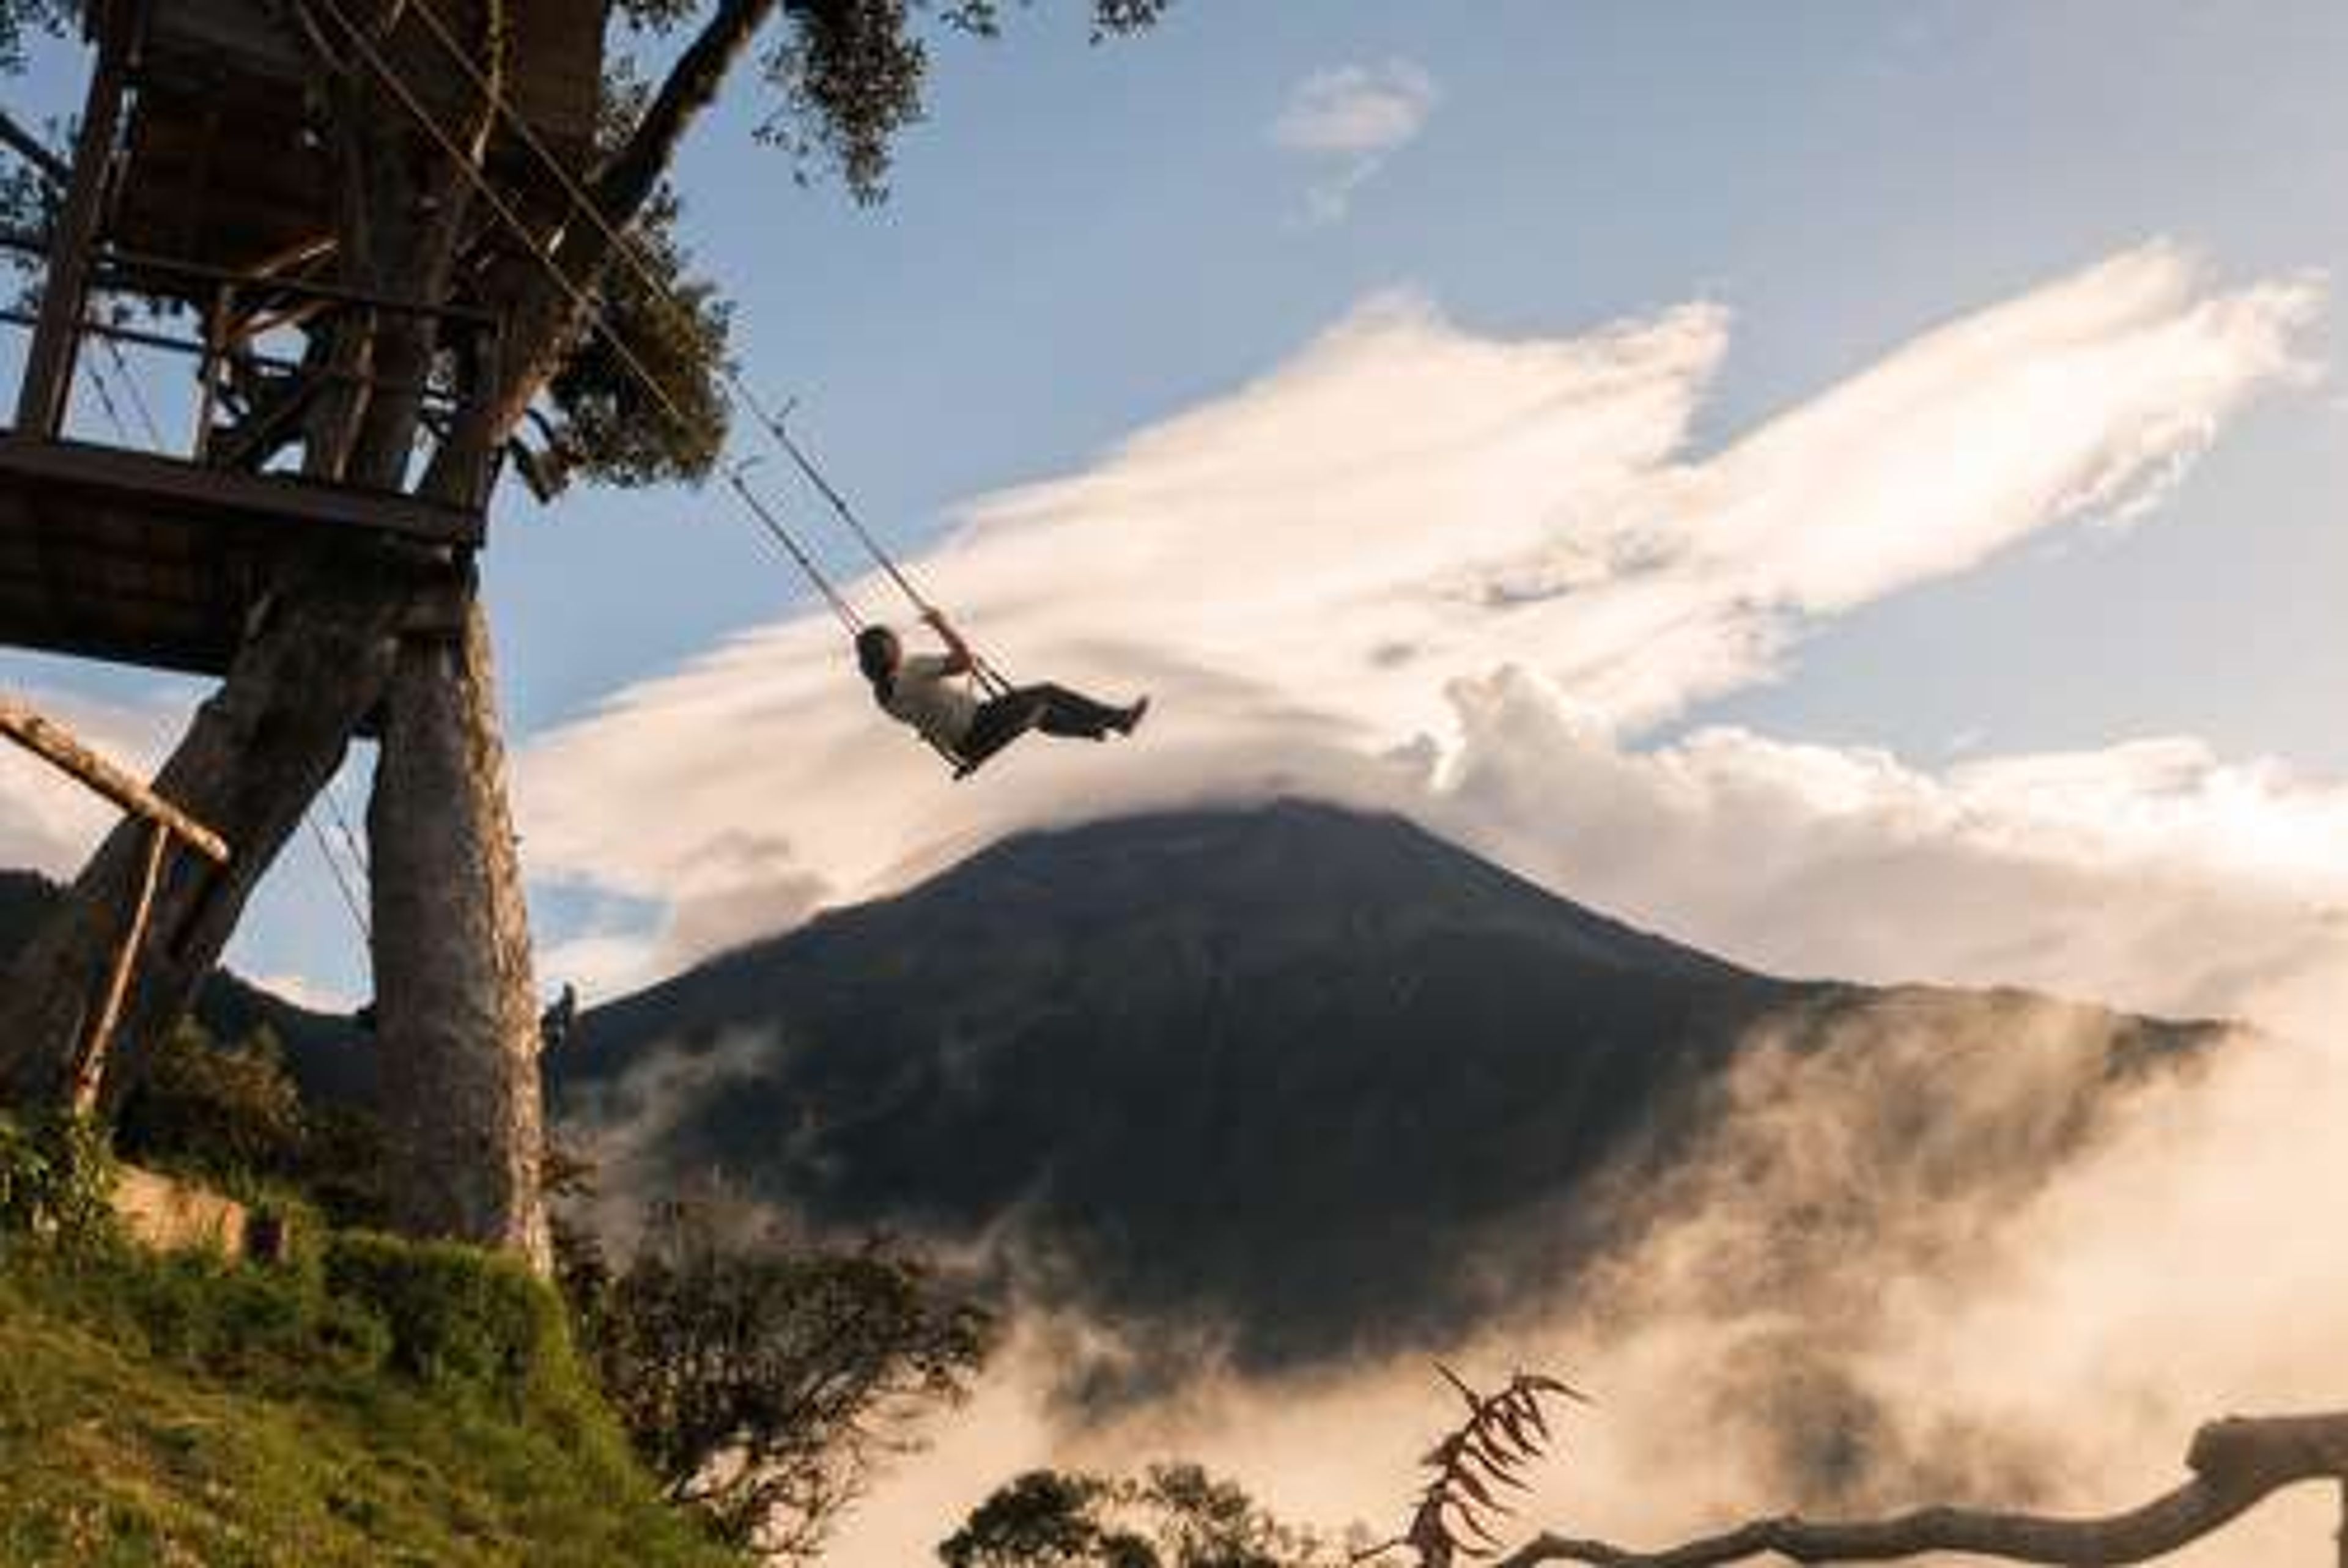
27 207
218 1111
984 17
28 200
764 1382
463 1321
176 1410
21 19
194 1310
463 1324
232 1117
657 18
1176 1516
1045 1518
599 422
56 1178
608 428
849 74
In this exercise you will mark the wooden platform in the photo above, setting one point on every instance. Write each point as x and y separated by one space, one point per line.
109 554
223 163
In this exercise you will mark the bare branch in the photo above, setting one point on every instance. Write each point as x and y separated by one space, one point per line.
2237 1463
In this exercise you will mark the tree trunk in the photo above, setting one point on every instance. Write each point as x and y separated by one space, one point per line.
317 661
456 1000
457 1018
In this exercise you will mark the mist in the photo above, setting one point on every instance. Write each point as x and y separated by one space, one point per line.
1902 1269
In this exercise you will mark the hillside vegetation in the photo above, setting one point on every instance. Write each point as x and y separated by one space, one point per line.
379 1402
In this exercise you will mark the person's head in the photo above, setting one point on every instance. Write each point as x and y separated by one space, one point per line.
877 653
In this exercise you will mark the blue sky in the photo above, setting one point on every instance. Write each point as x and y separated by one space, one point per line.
1087 241
1084 239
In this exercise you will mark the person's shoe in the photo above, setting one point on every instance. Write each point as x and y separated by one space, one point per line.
1130 720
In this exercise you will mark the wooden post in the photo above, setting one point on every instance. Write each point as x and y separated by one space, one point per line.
42 397
90 1073
216 327
53 743
489 375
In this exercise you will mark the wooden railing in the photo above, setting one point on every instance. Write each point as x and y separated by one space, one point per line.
249 401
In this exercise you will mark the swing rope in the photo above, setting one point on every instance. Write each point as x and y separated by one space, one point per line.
742 393
578 297
350 900
993 679
783 537
342 881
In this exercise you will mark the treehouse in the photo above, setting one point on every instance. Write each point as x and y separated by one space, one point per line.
197 229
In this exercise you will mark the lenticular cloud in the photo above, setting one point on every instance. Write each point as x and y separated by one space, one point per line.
1305 569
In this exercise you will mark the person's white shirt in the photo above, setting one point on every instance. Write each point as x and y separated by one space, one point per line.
941 705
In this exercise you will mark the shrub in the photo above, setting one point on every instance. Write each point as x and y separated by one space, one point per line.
465 1321
1174 1516
56 1178
764 1381
231 1116
231 1319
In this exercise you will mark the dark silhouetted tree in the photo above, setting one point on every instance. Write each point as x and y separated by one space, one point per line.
1174 1516
765 1381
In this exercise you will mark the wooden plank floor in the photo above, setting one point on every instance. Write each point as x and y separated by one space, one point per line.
146 560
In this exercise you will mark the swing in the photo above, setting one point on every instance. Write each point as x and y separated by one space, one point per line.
966 760
624 251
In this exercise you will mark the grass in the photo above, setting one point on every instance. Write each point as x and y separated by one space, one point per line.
379 1402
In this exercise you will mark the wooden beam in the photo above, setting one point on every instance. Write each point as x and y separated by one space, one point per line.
42 395
184 494
90 1073
56 745
136 267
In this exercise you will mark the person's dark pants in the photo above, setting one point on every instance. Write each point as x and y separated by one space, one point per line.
1054 710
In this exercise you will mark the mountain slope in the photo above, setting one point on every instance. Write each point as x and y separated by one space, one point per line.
1290 1071
172 1411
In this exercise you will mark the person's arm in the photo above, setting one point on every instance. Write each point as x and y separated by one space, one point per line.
960 660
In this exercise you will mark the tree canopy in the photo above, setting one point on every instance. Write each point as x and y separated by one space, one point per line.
844 78
19 17
763 1380
1174 1515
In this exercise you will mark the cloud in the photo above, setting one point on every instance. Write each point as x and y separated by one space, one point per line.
622 1125
304 991
48 822
1901 1269
1315 571
2152 874
1417 568
1356 116
1356 109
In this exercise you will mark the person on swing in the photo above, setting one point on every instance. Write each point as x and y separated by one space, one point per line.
931 693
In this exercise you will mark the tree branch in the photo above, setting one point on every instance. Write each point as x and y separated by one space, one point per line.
2236 1463
628 180
541 314
35 151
